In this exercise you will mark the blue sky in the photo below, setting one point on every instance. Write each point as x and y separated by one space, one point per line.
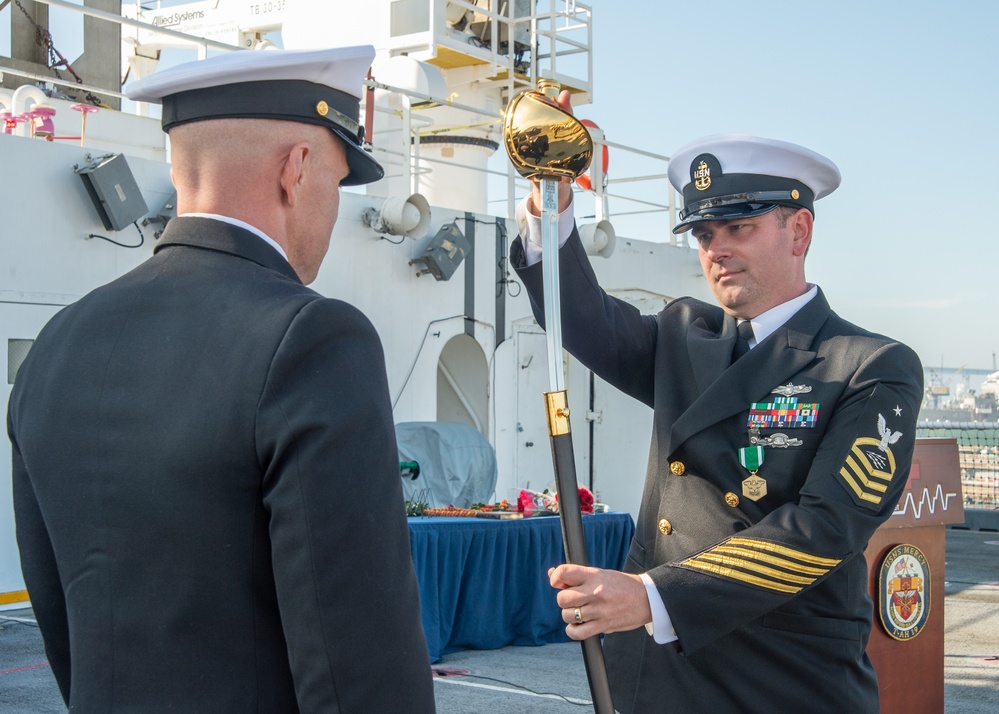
901 95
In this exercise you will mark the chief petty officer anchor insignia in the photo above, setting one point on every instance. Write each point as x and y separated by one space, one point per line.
784 412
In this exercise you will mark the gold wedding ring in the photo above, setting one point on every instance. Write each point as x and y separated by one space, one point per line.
578 616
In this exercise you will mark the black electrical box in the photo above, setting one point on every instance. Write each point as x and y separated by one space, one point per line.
113 190
445 252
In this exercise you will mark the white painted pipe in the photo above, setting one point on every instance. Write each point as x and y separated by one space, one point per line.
6 105
24 98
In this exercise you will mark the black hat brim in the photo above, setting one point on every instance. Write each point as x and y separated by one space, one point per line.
725 213
363 166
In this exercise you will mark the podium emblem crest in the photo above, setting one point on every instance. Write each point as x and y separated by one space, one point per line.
904 592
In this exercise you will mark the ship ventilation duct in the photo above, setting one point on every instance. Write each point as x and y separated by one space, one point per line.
412 75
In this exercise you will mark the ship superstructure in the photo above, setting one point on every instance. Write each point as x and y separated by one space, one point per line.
424 252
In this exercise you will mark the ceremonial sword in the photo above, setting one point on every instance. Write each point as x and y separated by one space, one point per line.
552 146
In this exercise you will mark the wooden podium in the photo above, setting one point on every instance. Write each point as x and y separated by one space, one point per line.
907 583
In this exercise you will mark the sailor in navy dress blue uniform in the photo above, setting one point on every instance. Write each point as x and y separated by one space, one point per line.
188 438
768 471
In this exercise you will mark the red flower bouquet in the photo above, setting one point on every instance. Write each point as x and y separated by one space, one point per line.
585 500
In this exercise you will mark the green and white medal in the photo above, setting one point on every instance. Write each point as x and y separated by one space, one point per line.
751 457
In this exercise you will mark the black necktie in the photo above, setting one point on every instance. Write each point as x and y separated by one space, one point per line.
745 330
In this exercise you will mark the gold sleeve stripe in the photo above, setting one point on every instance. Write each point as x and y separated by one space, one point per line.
749 560
745 577
768 547
861 493
731 562
862 474
772 559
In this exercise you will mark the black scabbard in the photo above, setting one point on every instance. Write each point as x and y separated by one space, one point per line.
573 538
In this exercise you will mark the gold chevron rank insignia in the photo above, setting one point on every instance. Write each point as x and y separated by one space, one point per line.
870 465
761 563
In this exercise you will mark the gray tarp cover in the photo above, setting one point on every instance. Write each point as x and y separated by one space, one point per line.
456 461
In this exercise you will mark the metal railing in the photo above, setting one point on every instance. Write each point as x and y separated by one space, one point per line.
203 44
558 28
978 455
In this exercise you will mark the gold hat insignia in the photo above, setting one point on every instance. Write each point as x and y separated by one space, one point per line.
702 176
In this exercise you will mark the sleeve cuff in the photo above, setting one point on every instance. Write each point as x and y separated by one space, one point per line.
529 228
661 627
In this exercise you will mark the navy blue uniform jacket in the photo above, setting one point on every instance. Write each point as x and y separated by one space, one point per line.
768 597
207 493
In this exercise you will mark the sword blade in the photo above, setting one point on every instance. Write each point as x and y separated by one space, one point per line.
549 264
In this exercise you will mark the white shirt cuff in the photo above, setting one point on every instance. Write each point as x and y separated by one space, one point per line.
661 627
529 228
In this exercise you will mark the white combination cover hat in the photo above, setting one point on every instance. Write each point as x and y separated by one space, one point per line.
730 176
321 87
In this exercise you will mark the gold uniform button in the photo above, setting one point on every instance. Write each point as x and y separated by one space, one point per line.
665 527
677 468
731 499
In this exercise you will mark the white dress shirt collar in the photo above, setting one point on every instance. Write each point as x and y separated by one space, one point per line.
766 324
244 225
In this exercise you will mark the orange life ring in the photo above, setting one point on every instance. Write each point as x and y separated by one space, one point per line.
584 180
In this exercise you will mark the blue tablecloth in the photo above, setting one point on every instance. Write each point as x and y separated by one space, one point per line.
484 583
